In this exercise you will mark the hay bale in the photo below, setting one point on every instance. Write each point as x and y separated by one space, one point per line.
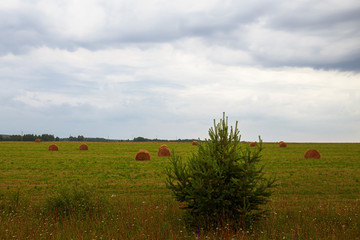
142 155
37 140
53 147
312 153
194 143
253 144
83 147
282 144
164 151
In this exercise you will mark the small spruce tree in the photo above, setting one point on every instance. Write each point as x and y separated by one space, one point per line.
221 183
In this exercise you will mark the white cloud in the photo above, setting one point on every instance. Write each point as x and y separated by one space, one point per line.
130 68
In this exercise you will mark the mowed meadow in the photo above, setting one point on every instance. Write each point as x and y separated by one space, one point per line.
103 193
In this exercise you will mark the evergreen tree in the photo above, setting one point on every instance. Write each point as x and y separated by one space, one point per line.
15 138
29 137
47 137
221 183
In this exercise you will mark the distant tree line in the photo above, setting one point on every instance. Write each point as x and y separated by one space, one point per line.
28 137
142 139
81 138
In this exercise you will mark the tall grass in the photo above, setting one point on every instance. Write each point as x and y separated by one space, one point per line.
159 217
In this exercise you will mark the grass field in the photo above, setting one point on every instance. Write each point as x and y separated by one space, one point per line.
315 198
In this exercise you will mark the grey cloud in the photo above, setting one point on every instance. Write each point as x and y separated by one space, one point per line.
21 30
310 18
351 64
32 28
227 24
325 27
166 27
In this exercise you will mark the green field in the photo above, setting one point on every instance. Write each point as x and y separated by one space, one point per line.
315 198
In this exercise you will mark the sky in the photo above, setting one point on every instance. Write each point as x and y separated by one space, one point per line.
119 69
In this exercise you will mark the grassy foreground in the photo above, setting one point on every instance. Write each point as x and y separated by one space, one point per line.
103 193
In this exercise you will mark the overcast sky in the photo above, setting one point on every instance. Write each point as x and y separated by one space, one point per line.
286 70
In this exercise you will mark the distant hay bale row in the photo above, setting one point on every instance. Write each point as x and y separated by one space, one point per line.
164 151
37 140
309 154
54 147
281 144
144 155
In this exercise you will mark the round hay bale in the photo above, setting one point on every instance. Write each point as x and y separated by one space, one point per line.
194 143
253 144
164 151
53 147
282 144
83 147
312 153
142 155
37 140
